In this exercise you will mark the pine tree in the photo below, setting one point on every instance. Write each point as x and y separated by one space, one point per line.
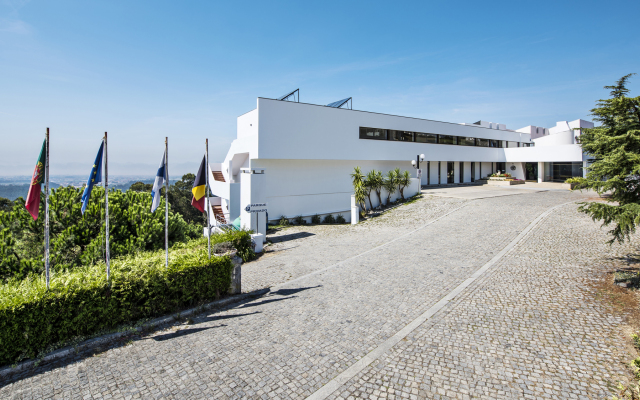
615 145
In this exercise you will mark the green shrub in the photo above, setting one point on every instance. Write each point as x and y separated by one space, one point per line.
299 220
283 221
81 302
315 219
78 239
329 219
340 219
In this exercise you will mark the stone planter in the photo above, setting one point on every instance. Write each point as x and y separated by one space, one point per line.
503 182
236 272
236 275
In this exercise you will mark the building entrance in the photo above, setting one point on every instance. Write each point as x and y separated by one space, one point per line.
531 171
450 173
473 171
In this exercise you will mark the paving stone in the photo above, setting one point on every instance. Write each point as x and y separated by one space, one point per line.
527 328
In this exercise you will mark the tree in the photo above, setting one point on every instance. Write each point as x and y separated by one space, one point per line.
389 184
357 180
78 239
141 187
180 196
369 185
5 204
615 145
403 180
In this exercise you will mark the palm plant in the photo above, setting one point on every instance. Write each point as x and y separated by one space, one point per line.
404 180
358 187
371 183
389 184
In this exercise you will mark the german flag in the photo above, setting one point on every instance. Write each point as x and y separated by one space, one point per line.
33 198
199 186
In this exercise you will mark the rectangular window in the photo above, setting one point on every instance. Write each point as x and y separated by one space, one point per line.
447 139
562 171
402 136
426 137
466 141
482 142
373 133
495 143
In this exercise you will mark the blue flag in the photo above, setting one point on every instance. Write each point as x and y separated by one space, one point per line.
161 176
94 177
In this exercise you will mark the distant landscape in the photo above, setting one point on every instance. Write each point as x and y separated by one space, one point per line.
12 191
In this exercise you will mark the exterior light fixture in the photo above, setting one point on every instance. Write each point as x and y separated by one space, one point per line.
416 164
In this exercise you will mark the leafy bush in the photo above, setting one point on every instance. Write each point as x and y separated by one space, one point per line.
283 221
299 220
340 219
329 219
315 219
81 301
78 239
240 240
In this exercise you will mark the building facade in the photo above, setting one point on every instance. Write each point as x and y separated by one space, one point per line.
298 157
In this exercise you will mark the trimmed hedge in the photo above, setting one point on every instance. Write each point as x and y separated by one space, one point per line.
81 302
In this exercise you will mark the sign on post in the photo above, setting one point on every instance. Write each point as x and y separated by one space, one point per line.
419 173
256 208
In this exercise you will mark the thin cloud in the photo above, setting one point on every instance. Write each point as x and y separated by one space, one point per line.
16 26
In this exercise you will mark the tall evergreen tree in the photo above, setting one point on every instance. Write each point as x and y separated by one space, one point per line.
615 145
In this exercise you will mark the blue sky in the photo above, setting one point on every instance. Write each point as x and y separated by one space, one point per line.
143 70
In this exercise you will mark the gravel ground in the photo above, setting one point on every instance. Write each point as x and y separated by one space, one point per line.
526 328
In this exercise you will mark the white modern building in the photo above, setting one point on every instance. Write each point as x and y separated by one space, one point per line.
298 157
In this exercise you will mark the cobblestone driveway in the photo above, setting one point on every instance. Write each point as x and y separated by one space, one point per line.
524 329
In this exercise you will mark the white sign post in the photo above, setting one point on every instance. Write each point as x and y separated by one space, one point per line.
256 208
419 173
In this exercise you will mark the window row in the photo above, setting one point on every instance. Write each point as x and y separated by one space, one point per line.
419 137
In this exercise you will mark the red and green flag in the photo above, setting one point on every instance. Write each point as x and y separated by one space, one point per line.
33 198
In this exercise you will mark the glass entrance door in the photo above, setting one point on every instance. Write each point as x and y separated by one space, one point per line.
531 171
473 171
450 173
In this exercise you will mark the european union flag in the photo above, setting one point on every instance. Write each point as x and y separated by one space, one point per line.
94 177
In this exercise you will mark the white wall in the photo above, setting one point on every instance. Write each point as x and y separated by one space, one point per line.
559 153
467 172
308 187
433 170
443 172
290 130
248 124
486 169
519 172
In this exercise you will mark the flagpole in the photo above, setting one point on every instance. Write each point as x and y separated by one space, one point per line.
206 171
46 213
166 199
106 207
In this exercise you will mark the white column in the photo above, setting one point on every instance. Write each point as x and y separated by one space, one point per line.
355 214
540 172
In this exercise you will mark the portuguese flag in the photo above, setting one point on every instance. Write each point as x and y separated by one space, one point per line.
199 186
33 198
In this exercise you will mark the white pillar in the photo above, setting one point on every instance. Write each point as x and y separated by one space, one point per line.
253 191
355 215
540 172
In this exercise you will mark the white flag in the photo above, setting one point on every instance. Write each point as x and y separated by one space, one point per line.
155 192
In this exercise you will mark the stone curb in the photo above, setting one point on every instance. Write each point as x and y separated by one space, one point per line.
95 342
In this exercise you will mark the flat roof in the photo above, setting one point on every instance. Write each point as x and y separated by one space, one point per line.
391 115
